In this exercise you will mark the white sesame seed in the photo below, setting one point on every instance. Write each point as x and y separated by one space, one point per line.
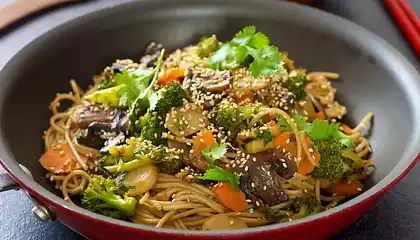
246 168
252 184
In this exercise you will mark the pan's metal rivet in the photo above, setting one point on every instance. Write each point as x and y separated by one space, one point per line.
41 212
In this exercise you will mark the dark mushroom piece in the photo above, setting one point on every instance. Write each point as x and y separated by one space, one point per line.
113 141
263 187
198 163
94 113
93 136
116 119
151 54
262 177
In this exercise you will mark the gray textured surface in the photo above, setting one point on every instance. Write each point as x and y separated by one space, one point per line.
397 215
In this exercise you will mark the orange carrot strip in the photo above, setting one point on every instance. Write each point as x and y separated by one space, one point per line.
345 188
171 74
60 159
346 129
231 198
205 139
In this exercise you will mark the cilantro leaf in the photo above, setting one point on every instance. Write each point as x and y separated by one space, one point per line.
146 97
300 122
219 174
284 125
228 57
214 152
266 135
249 36
248 42
266 61
323 130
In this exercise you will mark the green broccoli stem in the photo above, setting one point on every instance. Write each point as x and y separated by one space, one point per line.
303 212
141 160
127 204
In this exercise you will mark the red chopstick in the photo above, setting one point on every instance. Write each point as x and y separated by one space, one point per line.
409 22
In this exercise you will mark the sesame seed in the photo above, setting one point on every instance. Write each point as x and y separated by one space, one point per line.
311 150
257 203
246 168
254 159
248 200
265 188
284 165
252 185
359 189
231 222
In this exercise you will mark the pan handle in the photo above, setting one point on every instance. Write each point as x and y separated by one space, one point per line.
7 183
40 211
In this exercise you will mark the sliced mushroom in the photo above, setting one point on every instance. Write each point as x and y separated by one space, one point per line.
141 180
186 120
245 82
197 162
94 113
223 222
218 82
182 146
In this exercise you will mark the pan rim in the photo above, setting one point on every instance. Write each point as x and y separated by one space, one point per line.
352 35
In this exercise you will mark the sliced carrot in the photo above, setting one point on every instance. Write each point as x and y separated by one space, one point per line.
346 129
318 115
231 198
272 123
284 141
248 96
60 159
171 74
346 188
305 166
205 139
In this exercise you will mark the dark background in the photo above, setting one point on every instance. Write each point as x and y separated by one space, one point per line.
397 214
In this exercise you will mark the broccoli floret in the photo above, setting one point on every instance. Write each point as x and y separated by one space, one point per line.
234 118
274 213
106 82
207 45
167 160
296 84
305 206
170 96
331 165
153 130
101 197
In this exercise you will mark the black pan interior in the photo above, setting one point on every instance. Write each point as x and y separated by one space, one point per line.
84 47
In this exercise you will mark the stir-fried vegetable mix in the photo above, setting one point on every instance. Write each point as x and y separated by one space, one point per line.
228 126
